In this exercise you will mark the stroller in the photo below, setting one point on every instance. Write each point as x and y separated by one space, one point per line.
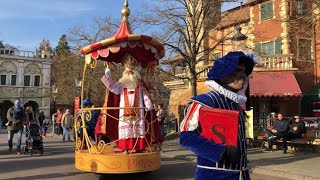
34 139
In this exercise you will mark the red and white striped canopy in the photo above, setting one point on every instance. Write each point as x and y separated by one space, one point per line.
145 49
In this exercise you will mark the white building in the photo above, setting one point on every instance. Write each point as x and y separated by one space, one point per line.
25 75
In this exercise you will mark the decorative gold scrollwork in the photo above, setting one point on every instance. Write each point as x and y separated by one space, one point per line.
88 115
93 63
106 64
85 142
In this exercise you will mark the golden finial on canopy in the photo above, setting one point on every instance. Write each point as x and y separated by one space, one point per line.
125 11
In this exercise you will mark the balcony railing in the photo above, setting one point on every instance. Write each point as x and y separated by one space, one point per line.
181 77
275 62
203 71
20 53
265 63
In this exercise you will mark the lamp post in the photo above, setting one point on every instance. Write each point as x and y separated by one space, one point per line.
54 92
239 43
78 82
239 40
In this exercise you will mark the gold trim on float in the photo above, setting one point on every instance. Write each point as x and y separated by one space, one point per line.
117 163
88 58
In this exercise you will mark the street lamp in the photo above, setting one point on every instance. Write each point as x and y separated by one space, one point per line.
239 40
78 82
239 43
54 92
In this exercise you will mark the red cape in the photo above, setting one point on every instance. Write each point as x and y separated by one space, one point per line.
109 127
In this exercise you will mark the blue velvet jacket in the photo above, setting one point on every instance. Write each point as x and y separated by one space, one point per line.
210 164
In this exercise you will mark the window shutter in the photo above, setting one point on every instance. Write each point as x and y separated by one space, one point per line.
269 9
263 11
258 48
266 10
278 46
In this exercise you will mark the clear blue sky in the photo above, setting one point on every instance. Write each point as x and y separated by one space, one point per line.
24 23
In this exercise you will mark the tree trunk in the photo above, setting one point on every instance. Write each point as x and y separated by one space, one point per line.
193 82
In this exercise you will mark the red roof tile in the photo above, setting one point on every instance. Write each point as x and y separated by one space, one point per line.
232 17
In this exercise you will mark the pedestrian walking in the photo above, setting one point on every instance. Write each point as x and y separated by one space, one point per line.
45 126
160 118
58 117
31 117
66 123
41 118
16 119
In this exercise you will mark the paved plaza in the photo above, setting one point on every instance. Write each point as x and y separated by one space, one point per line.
58 163
177 163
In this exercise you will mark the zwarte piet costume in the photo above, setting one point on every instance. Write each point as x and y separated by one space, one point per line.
213 159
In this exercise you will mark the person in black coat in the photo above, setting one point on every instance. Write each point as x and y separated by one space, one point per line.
297 128
41 118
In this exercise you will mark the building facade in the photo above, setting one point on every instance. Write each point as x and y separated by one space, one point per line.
285 37
25 75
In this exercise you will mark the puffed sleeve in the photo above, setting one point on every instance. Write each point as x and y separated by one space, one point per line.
192 140
107 80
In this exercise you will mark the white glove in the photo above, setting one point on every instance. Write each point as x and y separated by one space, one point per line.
107 72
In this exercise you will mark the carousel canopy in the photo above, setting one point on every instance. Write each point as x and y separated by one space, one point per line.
145 49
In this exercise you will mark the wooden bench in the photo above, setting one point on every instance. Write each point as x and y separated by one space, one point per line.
264 138
306 139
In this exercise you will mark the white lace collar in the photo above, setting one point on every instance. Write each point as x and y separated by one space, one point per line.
238 98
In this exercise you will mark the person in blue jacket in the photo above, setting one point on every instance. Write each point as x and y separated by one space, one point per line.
228 80
89 124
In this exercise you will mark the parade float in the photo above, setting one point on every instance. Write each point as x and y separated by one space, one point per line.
103 156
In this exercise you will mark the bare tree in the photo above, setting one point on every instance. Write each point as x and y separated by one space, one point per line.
100 29
184 27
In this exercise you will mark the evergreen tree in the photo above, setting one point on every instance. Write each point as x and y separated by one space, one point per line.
63 47
1 44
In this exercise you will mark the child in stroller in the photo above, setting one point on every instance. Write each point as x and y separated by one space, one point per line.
34 138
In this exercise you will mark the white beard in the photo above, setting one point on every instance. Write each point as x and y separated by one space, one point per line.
129 82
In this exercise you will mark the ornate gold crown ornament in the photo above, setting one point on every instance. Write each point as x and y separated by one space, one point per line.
129 62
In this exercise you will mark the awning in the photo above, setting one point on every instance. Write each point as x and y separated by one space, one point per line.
274 84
